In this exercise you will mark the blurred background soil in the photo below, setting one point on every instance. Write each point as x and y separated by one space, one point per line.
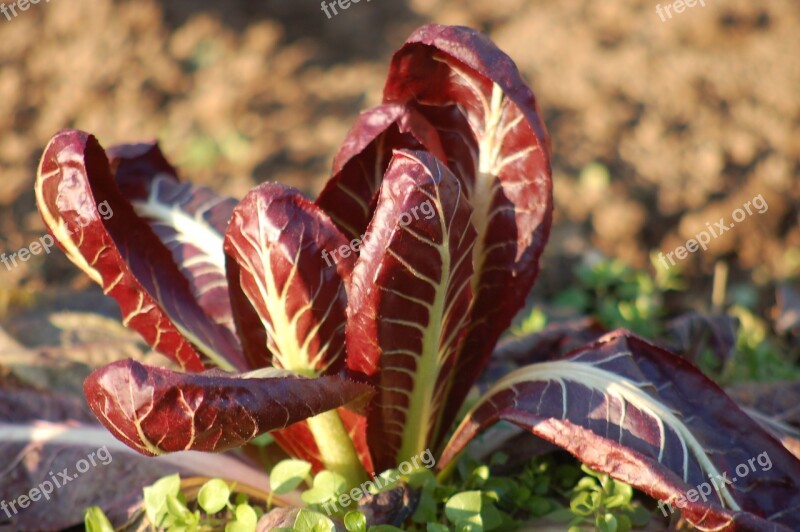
658 127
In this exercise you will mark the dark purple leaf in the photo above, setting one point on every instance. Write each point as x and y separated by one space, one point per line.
409 298
350 194
775 406
648 418
136 166
442 68
555 340
191 221
693 333
779 400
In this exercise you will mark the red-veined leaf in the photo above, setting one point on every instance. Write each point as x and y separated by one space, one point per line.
289 269
43 434
285 253
120 252
444 68
190 221
649 418
349 195
156 411
409 297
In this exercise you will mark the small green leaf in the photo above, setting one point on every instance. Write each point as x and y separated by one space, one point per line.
539 506
246 519
246 514
309 521
624 523
491 517
155 497
420 478
472 510
287 475
584 503
355 521
621 495
463 506
96 521
177 508
213 496
606 523
327 486
480 475
436 527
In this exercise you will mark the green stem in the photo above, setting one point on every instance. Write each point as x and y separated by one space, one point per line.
336 448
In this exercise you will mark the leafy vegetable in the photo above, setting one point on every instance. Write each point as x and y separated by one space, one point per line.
354 327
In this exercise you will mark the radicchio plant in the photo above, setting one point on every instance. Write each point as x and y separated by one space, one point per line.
363 362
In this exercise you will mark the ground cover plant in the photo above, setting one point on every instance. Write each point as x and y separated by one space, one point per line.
353 328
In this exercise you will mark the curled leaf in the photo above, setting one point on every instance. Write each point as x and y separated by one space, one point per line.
350 194
157 411
101 233
649 418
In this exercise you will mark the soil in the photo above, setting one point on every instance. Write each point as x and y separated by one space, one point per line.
659 127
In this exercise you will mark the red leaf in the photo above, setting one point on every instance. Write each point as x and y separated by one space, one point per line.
156 411
189 220
349 196
119 251
649 418
282 246
409 298
444 68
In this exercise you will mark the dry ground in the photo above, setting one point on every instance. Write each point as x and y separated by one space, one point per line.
692 116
